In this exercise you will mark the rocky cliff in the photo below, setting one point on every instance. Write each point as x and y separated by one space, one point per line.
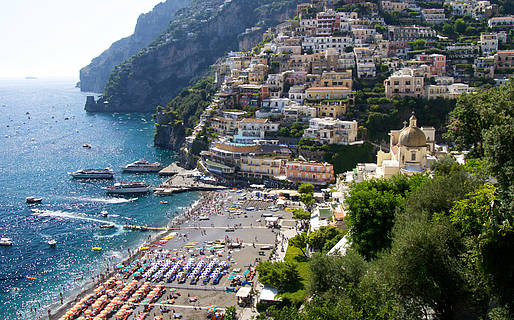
149 25
195 40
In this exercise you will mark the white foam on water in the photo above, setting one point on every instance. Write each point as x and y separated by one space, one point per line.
108 200
69 215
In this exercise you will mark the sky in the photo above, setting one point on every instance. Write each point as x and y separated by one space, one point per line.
44 38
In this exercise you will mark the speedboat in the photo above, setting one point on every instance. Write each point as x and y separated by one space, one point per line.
86 145
6 242
52 243
92 174
107 226
32 200
128 187
142 166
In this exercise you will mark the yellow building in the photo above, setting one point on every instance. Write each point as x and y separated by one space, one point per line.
253 166
333 109
333 79
327 93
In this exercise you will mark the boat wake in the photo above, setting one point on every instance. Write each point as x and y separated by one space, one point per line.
108 200
68 215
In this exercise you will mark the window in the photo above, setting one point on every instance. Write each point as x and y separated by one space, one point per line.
413 156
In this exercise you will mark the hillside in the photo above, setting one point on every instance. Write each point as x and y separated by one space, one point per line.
195 39
94 76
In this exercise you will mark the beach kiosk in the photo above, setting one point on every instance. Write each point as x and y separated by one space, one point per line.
243 296
268 296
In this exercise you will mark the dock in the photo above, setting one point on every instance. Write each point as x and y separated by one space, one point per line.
182 180
171 170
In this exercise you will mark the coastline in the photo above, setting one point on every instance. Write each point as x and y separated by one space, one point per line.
58 309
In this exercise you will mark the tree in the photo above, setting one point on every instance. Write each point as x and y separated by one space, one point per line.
371 208
301 214
306 188
299 241
230 313
318 239
279 275
306 195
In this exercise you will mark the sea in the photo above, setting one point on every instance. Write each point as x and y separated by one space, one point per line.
43 127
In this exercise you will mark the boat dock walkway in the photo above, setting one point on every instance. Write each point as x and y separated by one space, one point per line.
182 180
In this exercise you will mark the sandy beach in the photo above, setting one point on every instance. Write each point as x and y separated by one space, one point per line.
222 227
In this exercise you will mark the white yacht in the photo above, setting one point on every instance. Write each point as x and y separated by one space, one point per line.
93 174
128 187
143 166
6 242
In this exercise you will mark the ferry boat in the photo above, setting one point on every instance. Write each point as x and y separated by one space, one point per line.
128 187
92 174
6 242
142 166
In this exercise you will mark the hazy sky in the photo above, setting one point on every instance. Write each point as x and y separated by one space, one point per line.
58 37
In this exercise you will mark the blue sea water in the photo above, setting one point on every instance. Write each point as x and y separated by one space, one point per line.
43 126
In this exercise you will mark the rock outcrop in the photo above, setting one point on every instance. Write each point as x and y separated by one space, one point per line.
157 73
149 25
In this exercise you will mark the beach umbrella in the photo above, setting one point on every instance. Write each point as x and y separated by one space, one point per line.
212 309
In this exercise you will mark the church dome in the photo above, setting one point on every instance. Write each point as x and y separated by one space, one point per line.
412 137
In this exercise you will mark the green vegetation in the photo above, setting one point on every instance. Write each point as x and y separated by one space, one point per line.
306 195
301 214
324 238
293 131
185 109
280 275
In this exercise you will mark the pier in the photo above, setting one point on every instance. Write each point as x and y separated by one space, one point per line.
182 180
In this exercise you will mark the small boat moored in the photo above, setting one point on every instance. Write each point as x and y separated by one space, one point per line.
32 200
97 248
6 242
52 243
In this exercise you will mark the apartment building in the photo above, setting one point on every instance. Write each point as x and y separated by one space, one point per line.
332 131
320 44
404 83
501 22
333 78
364 60
410 33
504 61
310 172
433 16
391 6
256 127
327 93
488 43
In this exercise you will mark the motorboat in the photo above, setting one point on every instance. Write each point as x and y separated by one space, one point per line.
107 226
6 242
93 174
32 200
86 145
52 243
164 202
142 166
128 187
97 249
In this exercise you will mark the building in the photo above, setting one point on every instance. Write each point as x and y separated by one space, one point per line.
504 61
320 44
436 63
333 78
404 83
410 33
410 150
332 131
310 172
433 16
488 43
327 93
364 60
258 166
484 67
391 6
330 109
501 22
450 91
255 127
252 94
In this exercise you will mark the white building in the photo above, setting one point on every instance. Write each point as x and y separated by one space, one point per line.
332 131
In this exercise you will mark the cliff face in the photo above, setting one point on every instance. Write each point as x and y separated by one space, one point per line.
157 73
149 25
